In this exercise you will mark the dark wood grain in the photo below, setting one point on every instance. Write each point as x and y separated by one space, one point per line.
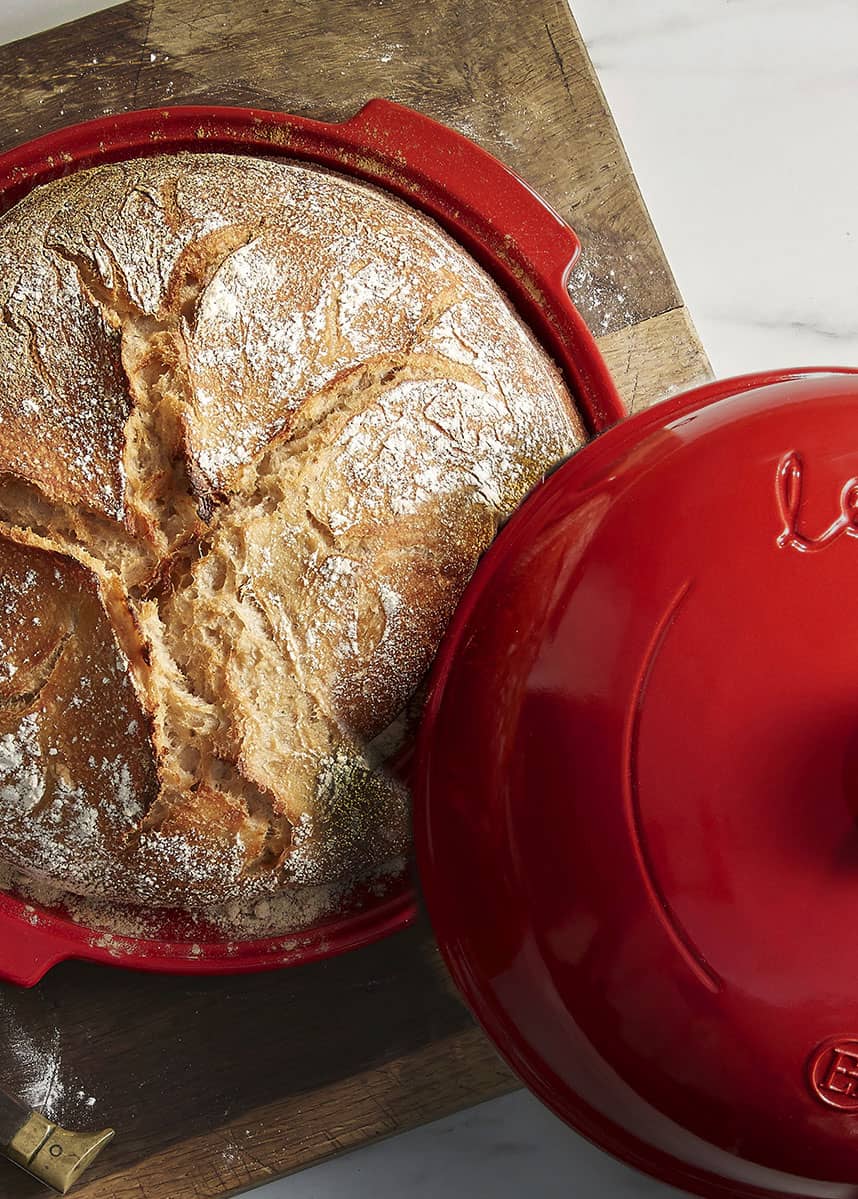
12 1117
217 1085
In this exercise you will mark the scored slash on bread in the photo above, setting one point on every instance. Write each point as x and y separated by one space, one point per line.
260 423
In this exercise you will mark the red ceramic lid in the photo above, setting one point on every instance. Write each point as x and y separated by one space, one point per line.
639 789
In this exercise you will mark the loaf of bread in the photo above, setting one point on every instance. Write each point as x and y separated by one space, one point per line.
258 423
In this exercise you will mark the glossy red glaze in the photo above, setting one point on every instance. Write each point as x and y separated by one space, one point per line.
517 238
636 821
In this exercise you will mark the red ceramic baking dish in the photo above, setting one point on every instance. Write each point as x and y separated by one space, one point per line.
526 247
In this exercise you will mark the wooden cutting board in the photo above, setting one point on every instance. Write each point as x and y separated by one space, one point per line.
215 1085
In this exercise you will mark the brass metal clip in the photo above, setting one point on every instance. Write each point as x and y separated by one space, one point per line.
53 1154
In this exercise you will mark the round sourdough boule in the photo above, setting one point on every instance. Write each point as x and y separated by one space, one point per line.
260 421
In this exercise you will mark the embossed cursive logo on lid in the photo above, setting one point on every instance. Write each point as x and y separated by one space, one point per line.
788 488
833 1073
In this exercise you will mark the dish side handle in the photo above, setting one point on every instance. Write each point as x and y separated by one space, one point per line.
28 950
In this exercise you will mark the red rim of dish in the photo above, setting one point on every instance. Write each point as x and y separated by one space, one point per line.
517 238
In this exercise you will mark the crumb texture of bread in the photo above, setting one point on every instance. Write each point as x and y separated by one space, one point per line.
260 422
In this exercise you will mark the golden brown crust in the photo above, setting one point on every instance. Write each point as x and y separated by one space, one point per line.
77 772
64 400
263 421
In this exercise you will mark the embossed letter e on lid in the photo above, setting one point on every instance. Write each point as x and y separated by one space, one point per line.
833 1073
789 482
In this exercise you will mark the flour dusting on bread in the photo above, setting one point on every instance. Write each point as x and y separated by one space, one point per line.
260 421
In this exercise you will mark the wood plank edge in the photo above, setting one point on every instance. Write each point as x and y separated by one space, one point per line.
625 161
281 1138
656 358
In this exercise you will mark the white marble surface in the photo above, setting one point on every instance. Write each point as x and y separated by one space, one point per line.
739 117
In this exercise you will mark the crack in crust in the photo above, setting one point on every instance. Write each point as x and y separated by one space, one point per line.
22 697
